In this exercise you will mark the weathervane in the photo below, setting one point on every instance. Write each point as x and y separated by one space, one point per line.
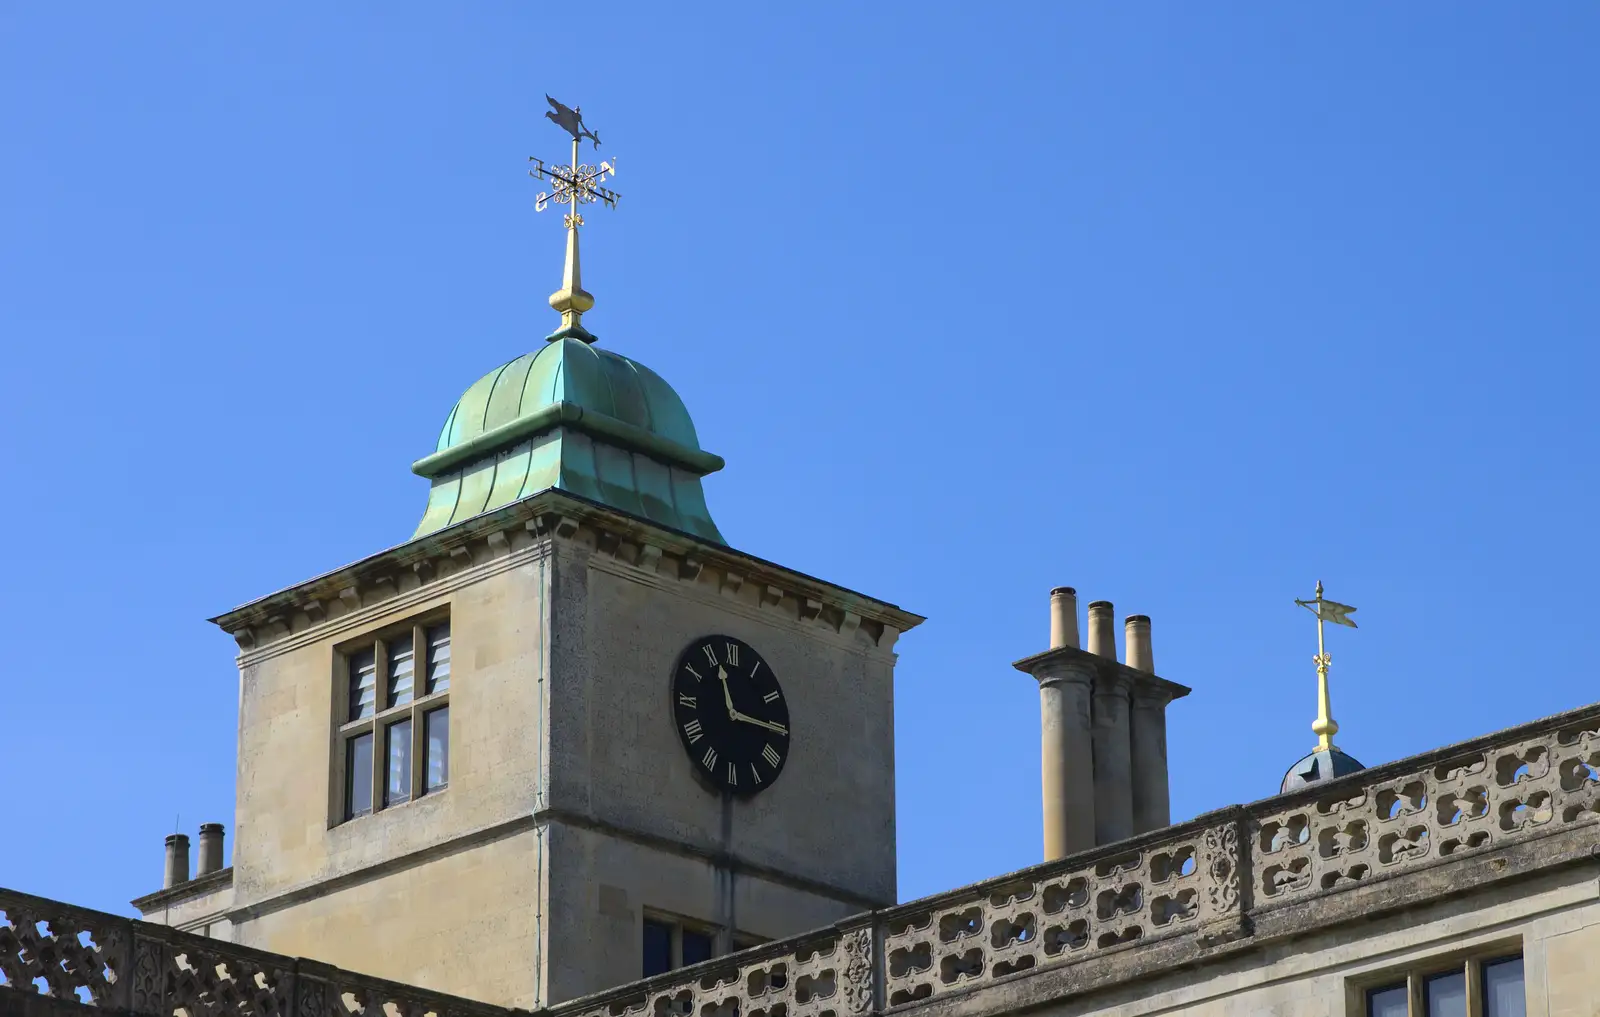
1324 727
574 184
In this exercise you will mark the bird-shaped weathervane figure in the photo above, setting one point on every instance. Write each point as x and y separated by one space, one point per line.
570 119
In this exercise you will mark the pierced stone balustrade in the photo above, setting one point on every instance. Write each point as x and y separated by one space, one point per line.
1448 821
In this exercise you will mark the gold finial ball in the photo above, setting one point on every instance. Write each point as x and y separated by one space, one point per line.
564 300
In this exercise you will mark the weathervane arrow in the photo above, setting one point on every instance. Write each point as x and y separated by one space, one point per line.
1325 727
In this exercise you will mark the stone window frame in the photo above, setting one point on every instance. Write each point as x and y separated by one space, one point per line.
747 940
1414 978
417 710
723 942
677 924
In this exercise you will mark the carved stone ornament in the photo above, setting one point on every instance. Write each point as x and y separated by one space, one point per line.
148 987
311 997
857 949
1222 848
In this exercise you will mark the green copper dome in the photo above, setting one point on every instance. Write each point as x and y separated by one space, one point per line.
576 418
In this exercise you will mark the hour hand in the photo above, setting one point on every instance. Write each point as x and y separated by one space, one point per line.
727 697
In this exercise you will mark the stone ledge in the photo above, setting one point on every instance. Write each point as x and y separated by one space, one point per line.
199 886
21 1003
1051 663
422 565
241 912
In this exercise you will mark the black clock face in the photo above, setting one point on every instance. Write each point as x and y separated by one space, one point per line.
730 714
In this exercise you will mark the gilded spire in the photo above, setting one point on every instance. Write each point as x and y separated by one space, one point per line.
571 300
1325 727
574 184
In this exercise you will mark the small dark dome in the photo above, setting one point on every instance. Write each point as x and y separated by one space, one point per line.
1319 766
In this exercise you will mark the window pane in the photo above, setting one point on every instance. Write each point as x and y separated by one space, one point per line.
1389 1002
401 667
397 785
1502 989
436 738
696 947
1446 995
358 776
657 948
363 684
438 658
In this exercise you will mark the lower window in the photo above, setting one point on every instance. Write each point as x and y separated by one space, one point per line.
1486 987
670 944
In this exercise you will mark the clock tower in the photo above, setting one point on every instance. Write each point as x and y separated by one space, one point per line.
563 736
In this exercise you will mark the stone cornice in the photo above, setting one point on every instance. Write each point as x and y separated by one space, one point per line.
437 562
1052 665
199 886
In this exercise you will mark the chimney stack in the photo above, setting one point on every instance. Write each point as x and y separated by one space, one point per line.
210 848
177 860
1102 727
1102 630
1065 756
1063 617
1113 763
1138 655
1147 726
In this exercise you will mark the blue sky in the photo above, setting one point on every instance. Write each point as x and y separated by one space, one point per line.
1185 305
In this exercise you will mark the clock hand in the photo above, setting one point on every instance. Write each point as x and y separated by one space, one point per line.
769 725
727 698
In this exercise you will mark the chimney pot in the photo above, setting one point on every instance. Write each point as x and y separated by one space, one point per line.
1102 626
177 860
1138 652
1063 617
210 849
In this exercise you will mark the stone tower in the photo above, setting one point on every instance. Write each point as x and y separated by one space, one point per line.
564 735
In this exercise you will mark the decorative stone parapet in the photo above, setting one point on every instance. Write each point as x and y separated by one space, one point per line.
1117 896
123 965
1461 801
828 973
1446 822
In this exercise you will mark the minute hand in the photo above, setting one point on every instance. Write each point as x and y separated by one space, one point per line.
769 725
